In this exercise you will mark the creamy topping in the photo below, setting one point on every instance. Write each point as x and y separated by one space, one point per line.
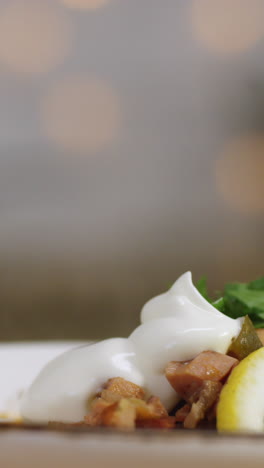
62 390
176 325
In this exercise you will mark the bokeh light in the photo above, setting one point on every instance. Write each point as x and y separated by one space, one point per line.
84 4
239 174
81 114
228 26
35 36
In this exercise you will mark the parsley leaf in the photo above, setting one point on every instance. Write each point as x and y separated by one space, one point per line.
239 299
246 299
201 285
219 304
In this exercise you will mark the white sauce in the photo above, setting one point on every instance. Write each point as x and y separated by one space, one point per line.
176 325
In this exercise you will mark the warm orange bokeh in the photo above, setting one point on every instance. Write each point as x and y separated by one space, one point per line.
81 114
239 174
84 4
228 26
35 36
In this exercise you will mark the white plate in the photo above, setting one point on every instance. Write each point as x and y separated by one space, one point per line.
25 448
19 365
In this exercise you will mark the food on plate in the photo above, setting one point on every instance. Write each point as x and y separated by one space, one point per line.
241 403
123 404
239 299
199 383
170 372
246 342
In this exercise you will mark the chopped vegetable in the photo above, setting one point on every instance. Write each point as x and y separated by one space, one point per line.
121 404
246 342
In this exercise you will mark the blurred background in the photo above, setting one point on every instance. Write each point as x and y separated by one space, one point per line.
131 150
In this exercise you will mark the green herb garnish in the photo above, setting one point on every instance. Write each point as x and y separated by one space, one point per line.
239 299
201 285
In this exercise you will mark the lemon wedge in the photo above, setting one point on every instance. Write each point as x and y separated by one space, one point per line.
241 403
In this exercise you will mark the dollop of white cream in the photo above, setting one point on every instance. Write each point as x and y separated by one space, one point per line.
176 325
62 390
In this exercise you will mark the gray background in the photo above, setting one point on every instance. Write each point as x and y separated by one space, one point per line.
87 236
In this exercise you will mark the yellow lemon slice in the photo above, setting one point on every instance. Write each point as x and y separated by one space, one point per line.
241 403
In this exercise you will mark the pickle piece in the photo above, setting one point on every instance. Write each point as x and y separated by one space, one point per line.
260 332
246 342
